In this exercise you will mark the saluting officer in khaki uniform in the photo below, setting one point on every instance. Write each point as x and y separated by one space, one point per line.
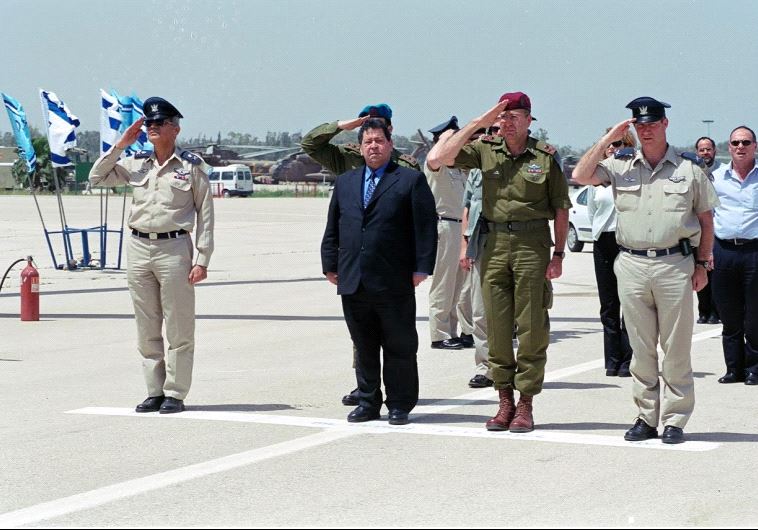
170 189
450 292
341 158
523 188
664 202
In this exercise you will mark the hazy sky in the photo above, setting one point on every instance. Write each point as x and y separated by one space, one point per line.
287 65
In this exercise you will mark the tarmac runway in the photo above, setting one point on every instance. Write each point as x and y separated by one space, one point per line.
264 441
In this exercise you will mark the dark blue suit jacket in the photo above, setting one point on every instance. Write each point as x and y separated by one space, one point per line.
383 245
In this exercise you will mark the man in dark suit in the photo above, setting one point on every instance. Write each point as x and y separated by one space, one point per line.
379 244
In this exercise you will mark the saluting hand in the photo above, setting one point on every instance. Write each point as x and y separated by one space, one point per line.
349 125
131 134
617 132
490 117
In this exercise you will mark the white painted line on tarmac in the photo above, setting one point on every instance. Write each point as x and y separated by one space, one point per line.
129 488
380 427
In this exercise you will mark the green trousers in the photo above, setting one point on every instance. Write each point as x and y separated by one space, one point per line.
516 292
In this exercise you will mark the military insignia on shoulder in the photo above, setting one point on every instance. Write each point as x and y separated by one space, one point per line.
191 157
692 157
143 154
547 148
491 138
627 152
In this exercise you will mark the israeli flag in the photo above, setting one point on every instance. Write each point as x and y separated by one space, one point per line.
61 127
137 113
110 121
21 131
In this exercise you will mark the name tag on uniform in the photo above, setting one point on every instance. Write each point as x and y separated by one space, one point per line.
181 174
534 169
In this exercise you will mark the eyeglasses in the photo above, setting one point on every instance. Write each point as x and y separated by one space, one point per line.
158 123
735 143
617 143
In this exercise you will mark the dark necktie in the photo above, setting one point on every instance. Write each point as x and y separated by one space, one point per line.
369 189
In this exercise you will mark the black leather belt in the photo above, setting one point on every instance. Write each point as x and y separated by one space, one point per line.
451 219
161 235
516 226
653 252
738 241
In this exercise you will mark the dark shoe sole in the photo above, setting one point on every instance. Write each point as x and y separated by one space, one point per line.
673 440
350 402
171 411
141 410
521 429
629 438
363 419
395 421
496 427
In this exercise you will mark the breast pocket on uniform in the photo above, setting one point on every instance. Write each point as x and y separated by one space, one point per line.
628 196
139 183
181 185
677 196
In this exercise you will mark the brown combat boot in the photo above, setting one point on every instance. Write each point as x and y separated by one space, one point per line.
523 422
504 416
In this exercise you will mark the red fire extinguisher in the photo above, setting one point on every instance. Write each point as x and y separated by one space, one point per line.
29 292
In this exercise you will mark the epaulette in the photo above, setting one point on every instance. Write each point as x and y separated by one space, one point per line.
692 157
408 158
546 147
626 152
491 139
143 154
191 157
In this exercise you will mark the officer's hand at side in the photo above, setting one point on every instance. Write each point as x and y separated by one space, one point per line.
418 278
554 268
349 125
131 134
332 277
699 278
198 274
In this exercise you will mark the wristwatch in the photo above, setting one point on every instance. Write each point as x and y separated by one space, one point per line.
560 254
703 263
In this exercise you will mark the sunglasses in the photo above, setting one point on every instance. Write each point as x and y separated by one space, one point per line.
617 143
159 122
735 143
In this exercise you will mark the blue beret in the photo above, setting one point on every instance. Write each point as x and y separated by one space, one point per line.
382 110
647 110
452 123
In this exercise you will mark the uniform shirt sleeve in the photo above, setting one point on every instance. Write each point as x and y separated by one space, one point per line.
469 157
108 171
201 191
705 196
558 187
316 144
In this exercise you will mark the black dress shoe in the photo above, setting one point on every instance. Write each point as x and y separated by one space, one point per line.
702 319
447 344
751 379
611 372
361 414
171 406
352 399
672 435
713 319
730 377
480 381
624 372
640 431
151 404
467 341
398 417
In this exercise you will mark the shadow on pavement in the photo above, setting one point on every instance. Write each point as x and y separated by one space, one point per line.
721 436
582 426
449 418
240 407
459 402
557 385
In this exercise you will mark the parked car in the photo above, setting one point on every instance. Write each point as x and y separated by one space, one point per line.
231 181
580 228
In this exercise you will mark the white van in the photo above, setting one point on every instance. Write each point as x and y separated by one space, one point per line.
228 181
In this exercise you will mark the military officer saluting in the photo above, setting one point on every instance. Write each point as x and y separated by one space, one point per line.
664 201
171 198
523 188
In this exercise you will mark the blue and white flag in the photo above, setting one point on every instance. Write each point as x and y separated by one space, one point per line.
61 128
130 108
21 131
110 121
137 113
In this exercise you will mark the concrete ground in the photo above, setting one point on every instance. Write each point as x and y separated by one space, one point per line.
264 441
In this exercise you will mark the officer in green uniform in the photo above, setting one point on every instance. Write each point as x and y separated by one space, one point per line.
171 197
523 188
341 158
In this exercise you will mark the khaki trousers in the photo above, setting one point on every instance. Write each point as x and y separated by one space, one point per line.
158 277
447 284
479 320
657 302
